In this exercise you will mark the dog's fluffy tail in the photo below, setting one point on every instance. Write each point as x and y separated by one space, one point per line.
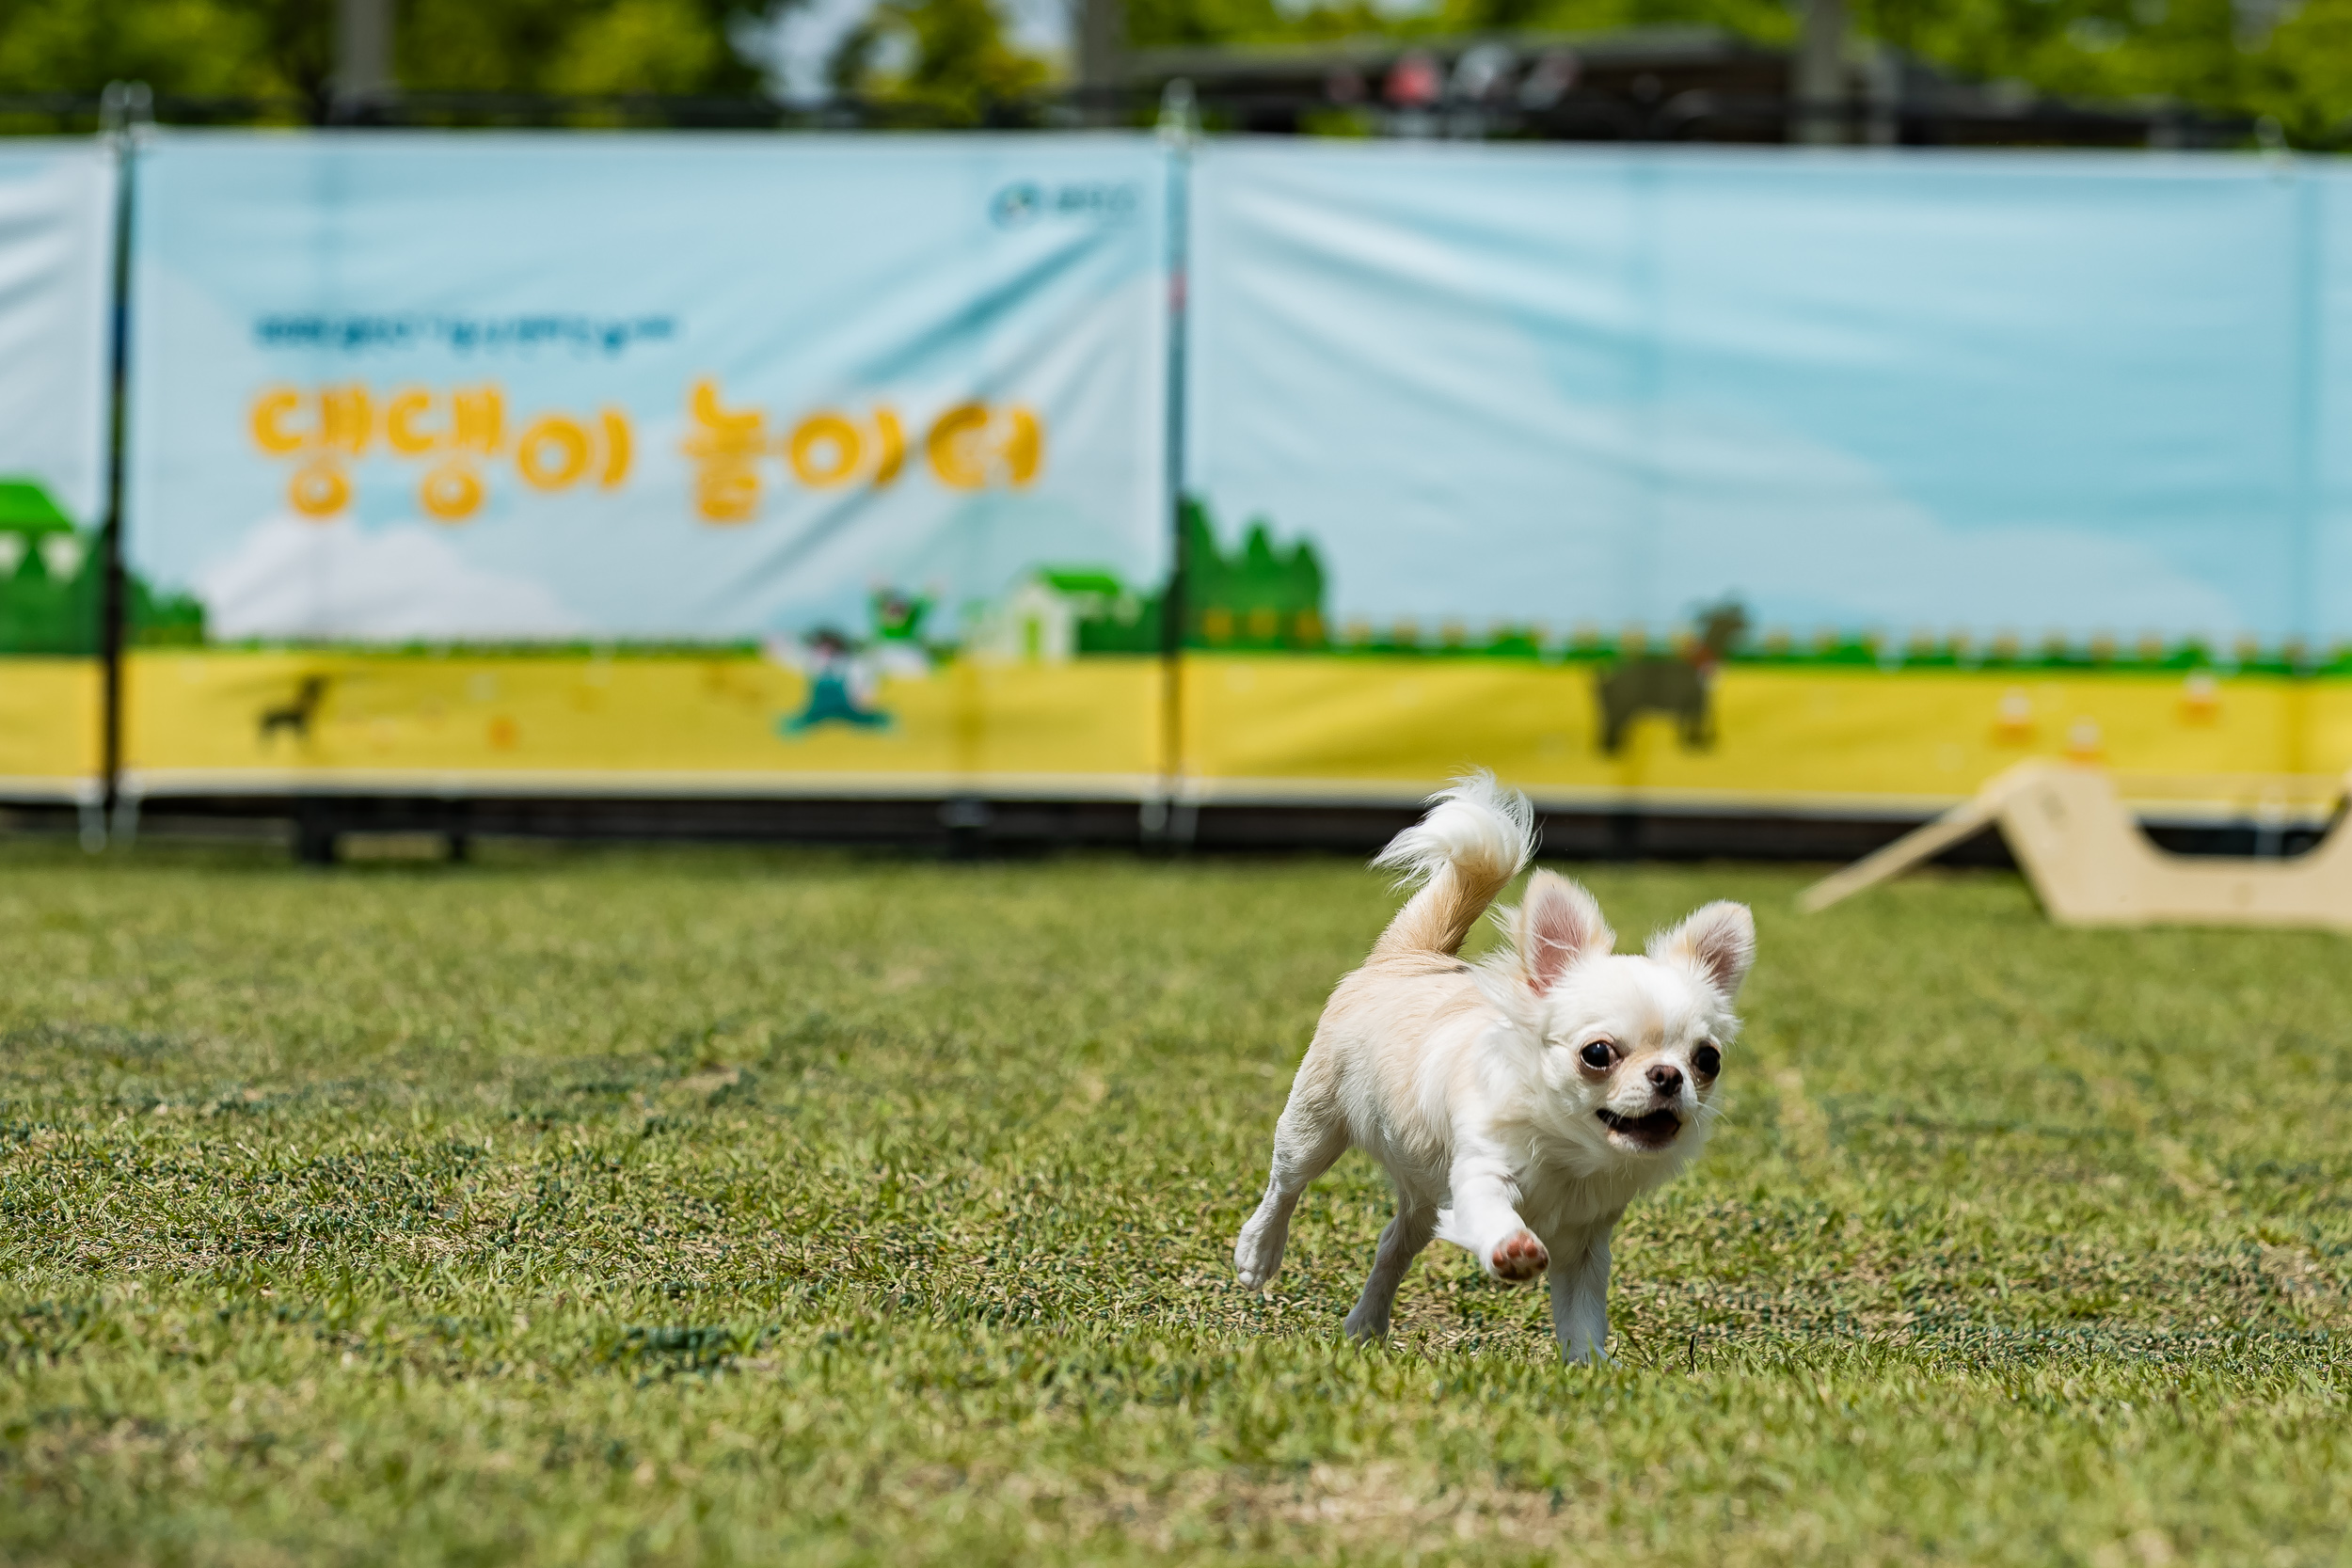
1465 852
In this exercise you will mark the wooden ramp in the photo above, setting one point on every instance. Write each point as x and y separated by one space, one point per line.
2091 864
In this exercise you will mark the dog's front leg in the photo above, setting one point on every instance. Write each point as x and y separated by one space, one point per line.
1485 1217
1579 1293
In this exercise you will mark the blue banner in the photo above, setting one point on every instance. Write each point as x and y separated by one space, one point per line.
681 387
58 202
839 465
1749 477
824 464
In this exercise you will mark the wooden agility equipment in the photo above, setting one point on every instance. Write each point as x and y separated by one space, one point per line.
2091 864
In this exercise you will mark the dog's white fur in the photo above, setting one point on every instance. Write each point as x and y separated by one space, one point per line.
1469 1085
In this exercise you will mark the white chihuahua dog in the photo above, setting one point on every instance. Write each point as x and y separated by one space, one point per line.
1519 1104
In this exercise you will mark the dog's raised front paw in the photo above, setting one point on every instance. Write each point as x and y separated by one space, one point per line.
1257 1256
1518 1257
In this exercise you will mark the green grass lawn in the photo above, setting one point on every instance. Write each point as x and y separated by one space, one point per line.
704 1206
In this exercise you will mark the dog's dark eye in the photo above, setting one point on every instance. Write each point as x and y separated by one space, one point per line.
1595 1055
1709 1060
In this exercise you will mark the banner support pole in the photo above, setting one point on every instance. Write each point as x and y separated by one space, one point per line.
1170 819
125 108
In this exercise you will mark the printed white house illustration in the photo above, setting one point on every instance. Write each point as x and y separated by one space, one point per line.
1037 619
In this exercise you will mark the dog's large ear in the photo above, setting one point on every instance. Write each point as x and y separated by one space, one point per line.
1717 941
1559 923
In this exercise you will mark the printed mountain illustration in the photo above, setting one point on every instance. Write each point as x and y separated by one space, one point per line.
1111 619
1259 596
51 583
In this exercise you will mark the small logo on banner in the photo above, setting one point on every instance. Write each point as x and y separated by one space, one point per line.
1017 206
1024 201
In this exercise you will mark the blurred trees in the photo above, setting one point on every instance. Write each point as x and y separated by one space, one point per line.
578 46
951 58
2198 50
948 58
1160 22
285 48
194 46
2303 77
2290 59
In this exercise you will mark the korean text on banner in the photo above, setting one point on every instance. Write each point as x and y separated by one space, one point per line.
56 261
1729 478
734 463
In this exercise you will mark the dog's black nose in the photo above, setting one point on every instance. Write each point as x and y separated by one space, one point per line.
1665 1079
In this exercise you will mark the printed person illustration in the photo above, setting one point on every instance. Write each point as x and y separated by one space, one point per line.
841 685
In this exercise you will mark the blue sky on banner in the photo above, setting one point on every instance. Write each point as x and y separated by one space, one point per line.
56 277
2022 393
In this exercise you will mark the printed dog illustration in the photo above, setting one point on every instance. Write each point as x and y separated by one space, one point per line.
1672 684
294 716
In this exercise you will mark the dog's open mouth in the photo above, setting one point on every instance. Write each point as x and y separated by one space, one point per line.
1654 1130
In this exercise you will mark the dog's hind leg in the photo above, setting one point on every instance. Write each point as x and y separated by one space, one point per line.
1400 1243
1311 1135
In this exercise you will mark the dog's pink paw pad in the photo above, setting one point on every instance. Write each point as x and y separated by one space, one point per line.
1520 1256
